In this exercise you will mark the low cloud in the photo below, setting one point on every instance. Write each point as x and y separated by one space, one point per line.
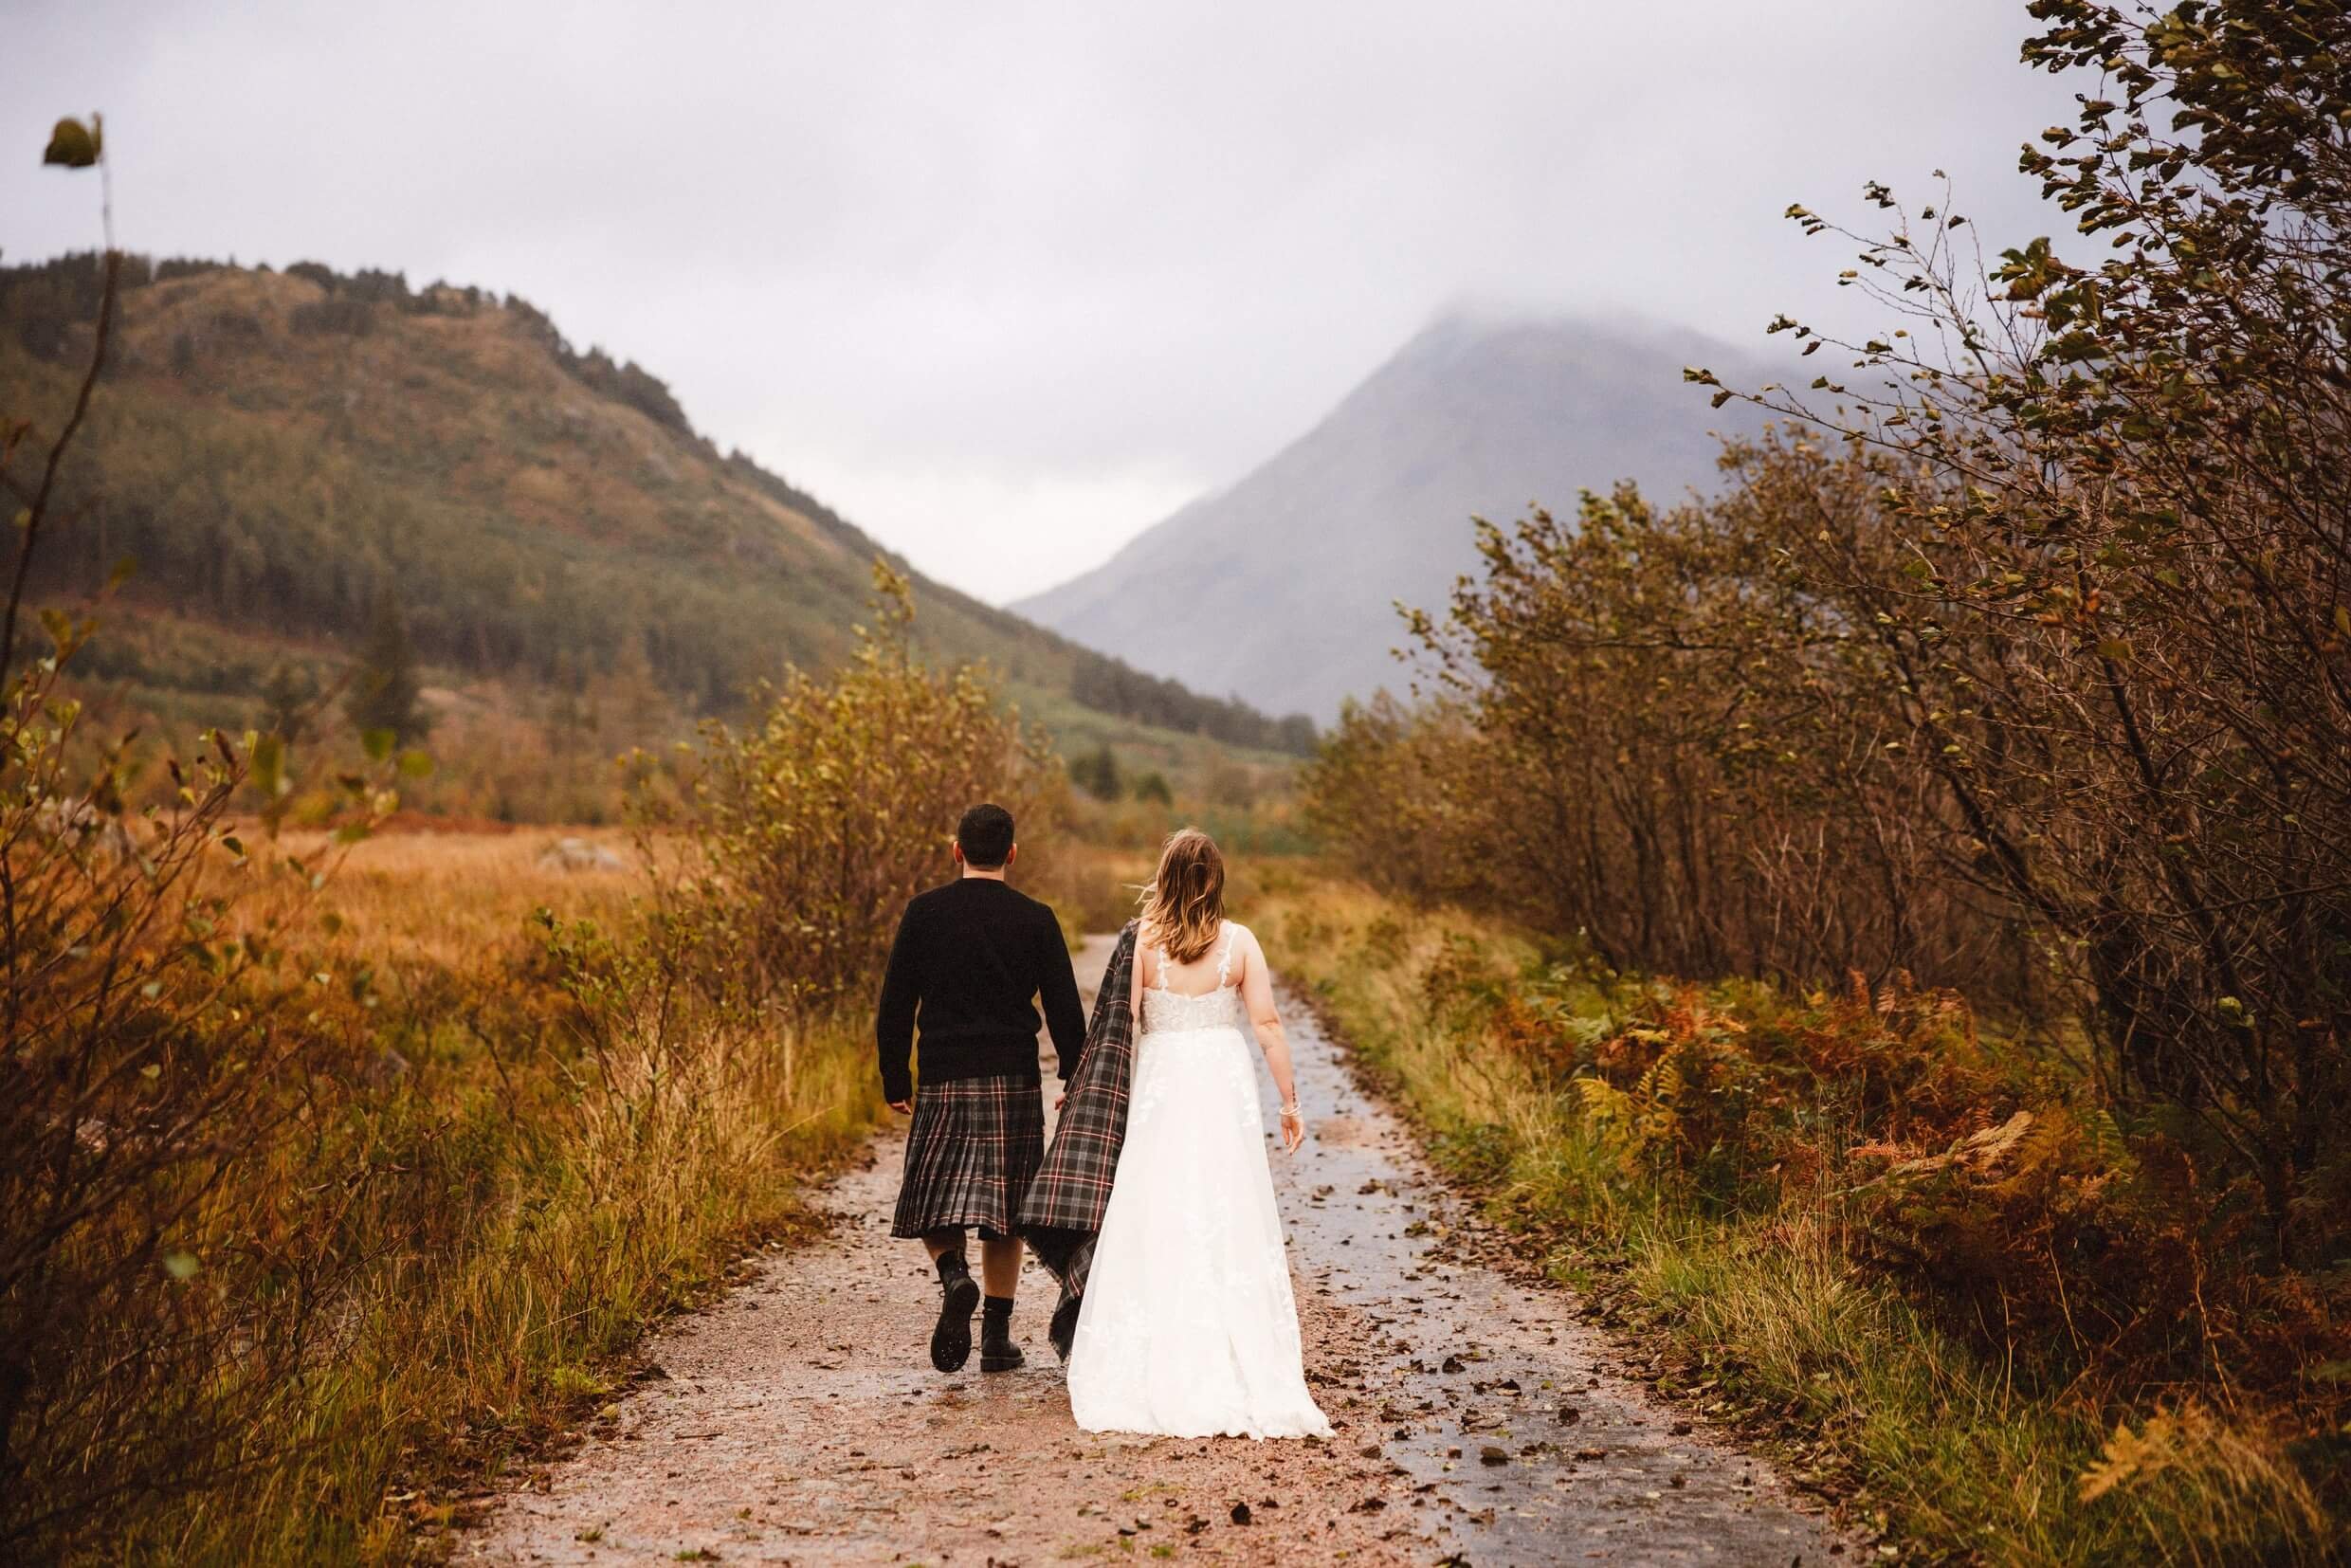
1006 283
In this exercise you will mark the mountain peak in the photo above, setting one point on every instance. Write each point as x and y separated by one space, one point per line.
1282 586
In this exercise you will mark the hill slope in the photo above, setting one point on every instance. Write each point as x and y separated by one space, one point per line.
280 451
1281 587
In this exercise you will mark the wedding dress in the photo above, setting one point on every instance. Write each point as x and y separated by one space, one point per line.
1188 1326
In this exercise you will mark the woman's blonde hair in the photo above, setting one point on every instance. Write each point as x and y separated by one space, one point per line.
1185 902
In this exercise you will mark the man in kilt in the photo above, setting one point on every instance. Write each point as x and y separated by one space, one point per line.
969 961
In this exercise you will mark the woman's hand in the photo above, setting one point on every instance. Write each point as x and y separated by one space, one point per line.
1293 1129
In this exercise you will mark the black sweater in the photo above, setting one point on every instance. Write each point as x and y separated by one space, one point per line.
967 959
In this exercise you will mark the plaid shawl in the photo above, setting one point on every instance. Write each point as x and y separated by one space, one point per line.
1063 1213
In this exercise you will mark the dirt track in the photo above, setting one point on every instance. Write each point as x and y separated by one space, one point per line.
798 1419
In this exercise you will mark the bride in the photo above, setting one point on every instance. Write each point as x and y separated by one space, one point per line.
1187 1327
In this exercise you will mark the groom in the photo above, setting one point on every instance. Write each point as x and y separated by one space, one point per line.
968 959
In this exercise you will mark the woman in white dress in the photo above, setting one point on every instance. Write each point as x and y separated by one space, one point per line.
1188 1326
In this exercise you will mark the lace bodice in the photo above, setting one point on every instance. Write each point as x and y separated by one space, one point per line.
1167 1012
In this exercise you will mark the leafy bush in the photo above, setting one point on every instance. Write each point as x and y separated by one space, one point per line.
160 1048
812 829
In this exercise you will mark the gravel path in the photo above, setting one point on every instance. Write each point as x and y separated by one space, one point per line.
798 1419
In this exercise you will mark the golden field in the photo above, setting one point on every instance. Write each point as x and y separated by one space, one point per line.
498 1148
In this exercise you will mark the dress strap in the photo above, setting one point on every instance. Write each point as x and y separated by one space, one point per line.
1224 962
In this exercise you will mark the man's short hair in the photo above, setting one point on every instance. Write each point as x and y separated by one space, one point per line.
986 835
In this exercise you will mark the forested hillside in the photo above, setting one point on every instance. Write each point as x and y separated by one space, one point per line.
289 457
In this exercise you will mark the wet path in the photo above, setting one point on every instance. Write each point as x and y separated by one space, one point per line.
1495 1392
798 1420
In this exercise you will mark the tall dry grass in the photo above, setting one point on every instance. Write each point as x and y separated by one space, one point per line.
443 900
528 1146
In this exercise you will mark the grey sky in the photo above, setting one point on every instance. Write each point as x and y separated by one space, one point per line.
1006 284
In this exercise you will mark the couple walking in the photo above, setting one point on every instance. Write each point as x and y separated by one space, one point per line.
1154 1208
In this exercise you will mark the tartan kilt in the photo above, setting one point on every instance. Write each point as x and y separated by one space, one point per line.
975 1146
1063 1214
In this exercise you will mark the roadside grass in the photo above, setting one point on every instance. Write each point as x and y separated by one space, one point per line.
1769 1321
533 1183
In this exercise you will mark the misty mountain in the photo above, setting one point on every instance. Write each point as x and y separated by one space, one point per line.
1281 587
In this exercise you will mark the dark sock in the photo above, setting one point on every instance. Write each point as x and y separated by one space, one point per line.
995 1309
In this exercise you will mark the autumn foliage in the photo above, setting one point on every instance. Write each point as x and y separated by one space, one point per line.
324 1194
2014 666
813 826
1996 1184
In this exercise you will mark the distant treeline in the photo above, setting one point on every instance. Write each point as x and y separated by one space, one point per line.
289 528
1115 687
45 299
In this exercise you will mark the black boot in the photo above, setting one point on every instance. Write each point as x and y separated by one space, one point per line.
958 1294
997 1353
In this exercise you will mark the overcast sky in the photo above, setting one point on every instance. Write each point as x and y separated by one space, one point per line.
1006 284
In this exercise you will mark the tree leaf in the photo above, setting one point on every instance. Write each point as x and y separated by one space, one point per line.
72 144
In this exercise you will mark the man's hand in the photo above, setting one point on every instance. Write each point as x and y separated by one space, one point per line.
903 1107
1060 1100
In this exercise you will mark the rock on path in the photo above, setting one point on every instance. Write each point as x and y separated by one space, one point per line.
798 1419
